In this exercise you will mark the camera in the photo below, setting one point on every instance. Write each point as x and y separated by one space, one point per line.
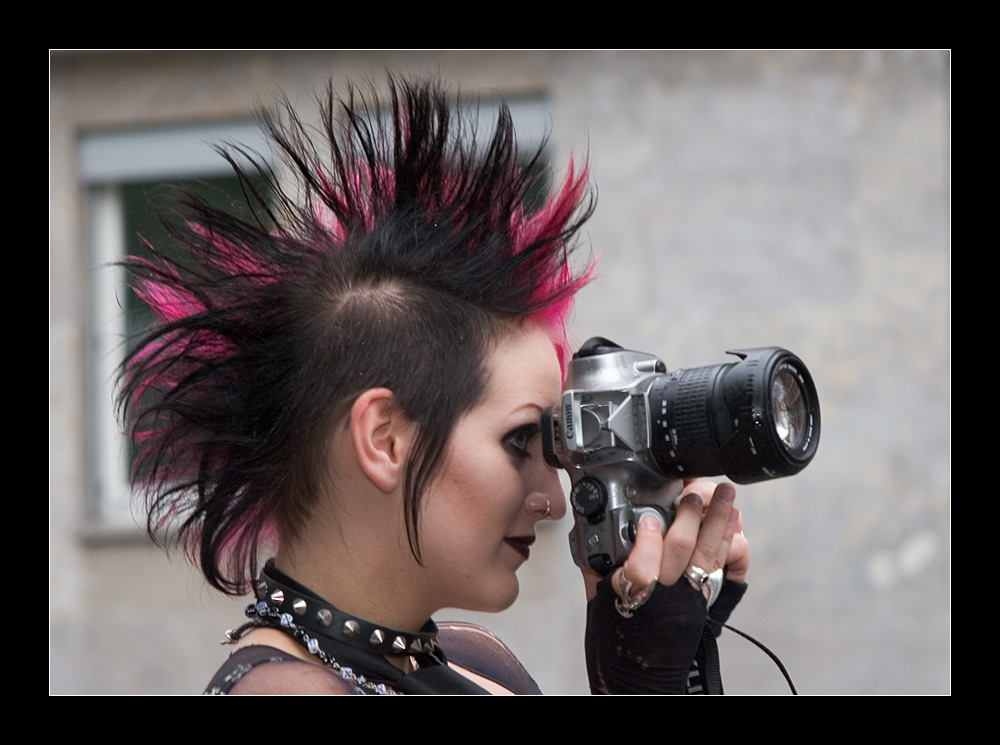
629 432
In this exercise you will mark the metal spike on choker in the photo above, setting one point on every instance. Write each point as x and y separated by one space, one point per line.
318 617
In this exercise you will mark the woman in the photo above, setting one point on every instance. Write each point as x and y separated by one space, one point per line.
352 376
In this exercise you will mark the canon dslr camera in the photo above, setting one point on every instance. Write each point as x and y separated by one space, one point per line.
628 432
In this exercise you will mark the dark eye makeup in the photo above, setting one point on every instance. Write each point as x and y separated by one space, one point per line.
517 440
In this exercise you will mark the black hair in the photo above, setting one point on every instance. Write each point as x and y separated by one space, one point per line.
399 258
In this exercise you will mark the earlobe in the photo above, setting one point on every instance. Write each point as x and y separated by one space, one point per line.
380 433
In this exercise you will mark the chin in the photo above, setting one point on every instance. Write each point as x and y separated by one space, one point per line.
501 598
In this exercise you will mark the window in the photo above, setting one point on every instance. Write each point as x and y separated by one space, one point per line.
120 171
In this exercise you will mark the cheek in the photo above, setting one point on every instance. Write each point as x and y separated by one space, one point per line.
458 477
488 488
480 483
472 463
484 496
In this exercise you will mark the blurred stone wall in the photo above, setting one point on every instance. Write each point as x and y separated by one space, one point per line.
799 199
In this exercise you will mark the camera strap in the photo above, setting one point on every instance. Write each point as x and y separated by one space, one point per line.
705 677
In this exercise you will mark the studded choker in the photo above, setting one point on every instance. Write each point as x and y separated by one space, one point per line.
281 598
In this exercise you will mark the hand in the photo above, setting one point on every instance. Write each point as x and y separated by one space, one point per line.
652 650
713 543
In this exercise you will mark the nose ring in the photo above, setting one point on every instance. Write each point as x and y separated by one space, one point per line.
540 505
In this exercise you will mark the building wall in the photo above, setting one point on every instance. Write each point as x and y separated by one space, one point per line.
799 199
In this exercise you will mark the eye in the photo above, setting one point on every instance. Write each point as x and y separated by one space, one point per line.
517 442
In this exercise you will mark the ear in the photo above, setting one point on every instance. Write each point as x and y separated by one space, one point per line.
381 435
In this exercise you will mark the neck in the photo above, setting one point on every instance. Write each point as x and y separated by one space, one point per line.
378 583
353 550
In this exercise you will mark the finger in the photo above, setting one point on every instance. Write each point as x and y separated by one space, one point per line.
712 546
738 561
681 539
643 564
731 529
704 489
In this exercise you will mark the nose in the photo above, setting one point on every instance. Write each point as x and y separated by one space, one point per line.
546 500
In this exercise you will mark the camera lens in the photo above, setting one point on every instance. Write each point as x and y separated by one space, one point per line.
789 408
752 420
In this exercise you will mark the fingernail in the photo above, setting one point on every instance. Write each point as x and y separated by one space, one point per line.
650 523
726 493
692 499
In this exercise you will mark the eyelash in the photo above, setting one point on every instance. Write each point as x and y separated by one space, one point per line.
517 441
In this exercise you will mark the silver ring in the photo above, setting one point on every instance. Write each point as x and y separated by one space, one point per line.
627 604
708 583
548 509
624 586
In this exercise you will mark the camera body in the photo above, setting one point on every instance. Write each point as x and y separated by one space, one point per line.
629 432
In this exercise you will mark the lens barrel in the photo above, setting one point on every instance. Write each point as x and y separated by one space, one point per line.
751 420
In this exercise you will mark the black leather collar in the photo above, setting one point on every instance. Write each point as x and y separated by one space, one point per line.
305 609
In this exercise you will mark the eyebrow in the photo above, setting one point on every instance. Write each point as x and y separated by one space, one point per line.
538 408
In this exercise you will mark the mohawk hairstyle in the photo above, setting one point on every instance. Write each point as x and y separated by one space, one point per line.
402 255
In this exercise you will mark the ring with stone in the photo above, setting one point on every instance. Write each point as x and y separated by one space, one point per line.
707 583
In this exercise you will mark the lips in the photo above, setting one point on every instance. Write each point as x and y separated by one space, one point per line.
521 544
